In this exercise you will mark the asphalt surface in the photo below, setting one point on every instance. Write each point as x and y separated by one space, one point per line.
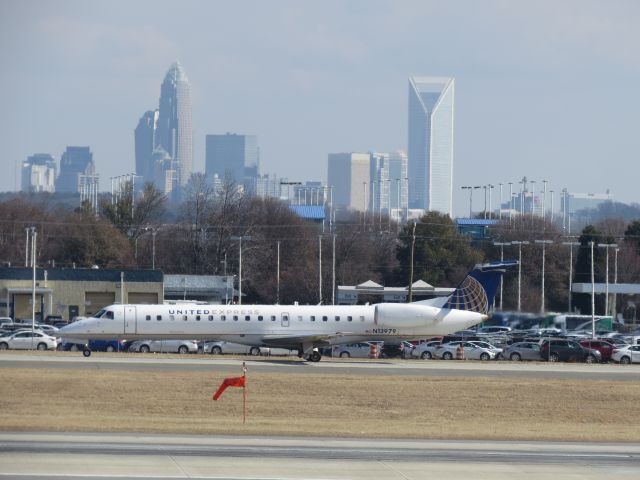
79 456
435 368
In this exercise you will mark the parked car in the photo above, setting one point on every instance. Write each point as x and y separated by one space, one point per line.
605 348
426 350
28 340
96 346
493 330
352 350
522 351
221 348
626 354
164 346
475 350
555 350
396 350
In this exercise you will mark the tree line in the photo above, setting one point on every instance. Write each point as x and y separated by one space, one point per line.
202 233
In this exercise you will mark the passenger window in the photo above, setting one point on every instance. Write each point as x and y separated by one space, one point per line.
171 317
223 317
235 318
260 318
247 318
324 319
198 318
148 317
299 318
313 318
285 317
349 318
337 318
184 317
158 317
211 318
273 318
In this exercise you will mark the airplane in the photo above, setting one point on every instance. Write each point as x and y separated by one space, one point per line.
301 327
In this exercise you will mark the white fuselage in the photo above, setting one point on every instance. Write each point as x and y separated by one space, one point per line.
273 325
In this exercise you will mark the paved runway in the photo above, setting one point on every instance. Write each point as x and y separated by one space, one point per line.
79 456
438 368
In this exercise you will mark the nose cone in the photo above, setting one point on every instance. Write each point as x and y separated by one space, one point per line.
75 329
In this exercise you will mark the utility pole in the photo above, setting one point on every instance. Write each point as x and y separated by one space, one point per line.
34 236
519 243
333 273
543 243
501 245
278 277
606 291
319 269
570 245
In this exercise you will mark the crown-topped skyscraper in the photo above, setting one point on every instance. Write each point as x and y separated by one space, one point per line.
174 132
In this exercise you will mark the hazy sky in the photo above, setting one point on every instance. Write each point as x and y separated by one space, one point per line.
546 89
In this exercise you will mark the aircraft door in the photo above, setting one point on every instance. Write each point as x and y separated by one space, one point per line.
285 319
130 320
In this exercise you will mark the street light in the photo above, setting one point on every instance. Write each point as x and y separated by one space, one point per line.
543 243
570 245
593 294
519 268
413 245
501 245
606 290
240 238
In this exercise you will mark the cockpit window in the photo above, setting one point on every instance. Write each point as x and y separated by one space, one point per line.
109 315
99 314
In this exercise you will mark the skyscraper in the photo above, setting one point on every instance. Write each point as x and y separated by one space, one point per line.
349 175
76 169
39 173
174 121
233 156
145 143
431 101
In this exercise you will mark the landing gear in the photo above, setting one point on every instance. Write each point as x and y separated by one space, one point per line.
86 351
314 356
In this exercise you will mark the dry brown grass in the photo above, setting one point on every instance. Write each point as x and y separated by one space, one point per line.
319 405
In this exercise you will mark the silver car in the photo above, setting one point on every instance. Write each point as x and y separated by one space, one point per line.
28 340
472 351
352 350
164 346
426 350
522 351
221 347
627 354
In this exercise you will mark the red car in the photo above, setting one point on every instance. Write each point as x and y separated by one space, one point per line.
605 348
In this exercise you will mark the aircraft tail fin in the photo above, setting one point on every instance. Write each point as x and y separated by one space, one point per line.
477 291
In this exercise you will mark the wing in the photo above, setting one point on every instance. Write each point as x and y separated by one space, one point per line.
304 342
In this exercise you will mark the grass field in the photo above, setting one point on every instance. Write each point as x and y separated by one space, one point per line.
94 400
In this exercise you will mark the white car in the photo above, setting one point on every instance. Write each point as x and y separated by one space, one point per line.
352 350
472 350
627 354
426 350
28 340
164 346
221 347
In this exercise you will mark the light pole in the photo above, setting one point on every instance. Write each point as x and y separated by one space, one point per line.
406 208
398 205
606 288
570 245
470 188
240 238
500 204
501 245
491 187
278 276
519 243
593 294
333 272
551 209
533 197
319 269
153 249
485 201
510 201
614 309
544 243
34 237
413 246
364 203
544 199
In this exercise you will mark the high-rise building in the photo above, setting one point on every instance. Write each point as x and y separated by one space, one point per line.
233 157
349 179
145 144
174 132
389 184
76 168
39 173
431 102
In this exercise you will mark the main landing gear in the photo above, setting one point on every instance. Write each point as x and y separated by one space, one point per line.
86 351
313 356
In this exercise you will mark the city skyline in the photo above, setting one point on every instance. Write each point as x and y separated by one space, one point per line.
82 74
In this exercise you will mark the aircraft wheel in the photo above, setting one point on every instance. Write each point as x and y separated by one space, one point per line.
86 352
254 351
315 356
